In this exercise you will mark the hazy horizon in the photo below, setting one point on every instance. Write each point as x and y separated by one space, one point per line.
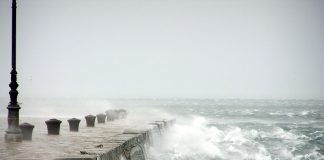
165 49
158 98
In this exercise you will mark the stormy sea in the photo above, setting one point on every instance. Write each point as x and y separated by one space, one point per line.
212 129
243 130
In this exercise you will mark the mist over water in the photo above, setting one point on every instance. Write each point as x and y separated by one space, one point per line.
247 49
243 129
208 129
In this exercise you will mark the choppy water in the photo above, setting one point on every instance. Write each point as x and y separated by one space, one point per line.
244 130
209 129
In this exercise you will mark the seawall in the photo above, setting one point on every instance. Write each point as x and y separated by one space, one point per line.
114 140
128 145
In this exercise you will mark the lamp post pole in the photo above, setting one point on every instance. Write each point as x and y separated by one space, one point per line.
13 133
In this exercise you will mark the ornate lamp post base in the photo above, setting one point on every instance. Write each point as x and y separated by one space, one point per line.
13 137
13 133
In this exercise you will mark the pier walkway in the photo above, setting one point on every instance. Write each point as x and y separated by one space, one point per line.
114 140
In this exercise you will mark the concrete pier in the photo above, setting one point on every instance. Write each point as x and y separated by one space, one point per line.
114 140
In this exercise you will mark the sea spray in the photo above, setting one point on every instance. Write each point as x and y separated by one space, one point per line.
197 140
209 129
62 107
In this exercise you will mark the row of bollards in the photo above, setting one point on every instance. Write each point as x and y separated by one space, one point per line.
53 125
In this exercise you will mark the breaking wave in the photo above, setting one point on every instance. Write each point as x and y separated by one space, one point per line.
198 140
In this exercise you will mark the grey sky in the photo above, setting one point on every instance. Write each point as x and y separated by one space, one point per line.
166 48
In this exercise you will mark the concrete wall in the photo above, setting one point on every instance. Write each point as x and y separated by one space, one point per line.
126 146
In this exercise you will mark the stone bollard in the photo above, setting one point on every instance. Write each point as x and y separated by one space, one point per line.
53 126
74 124
27 131
111 115
122 113
163 123
90 119
101 118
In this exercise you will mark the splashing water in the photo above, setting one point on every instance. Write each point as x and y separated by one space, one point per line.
246 133
213 129
198 141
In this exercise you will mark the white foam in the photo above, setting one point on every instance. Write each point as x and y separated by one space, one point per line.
196 141
280 133
193 139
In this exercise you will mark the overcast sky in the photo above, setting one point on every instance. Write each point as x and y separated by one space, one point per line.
166 48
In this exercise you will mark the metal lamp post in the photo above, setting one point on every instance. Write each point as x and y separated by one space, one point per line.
13 133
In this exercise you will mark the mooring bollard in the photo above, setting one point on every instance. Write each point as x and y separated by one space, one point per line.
110 115
101 118
74 124
27 131
53 126
122 113
90 119
164 124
